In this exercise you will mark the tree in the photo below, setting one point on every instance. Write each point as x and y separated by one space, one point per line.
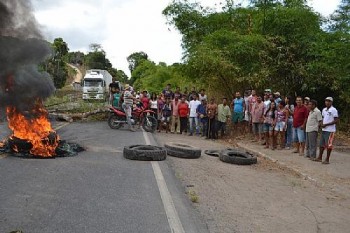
340 19
96 58
56 65
136 59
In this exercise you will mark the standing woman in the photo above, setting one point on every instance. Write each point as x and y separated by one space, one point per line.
153 104
269 125
289 131
160 105
281 123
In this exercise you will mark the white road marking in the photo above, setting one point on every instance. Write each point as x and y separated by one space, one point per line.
168 203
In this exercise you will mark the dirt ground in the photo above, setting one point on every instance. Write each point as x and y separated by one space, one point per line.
260 198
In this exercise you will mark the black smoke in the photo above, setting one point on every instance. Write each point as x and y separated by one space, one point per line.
22 49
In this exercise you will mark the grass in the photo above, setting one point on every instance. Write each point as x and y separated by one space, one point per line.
193 196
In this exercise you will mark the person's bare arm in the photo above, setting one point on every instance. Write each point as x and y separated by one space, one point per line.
336 119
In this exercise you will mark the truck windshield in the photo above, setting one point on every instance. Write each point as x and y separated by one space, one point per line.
93 83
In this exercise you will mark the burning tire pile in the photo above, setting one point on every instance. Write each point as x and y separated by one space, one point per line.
23 88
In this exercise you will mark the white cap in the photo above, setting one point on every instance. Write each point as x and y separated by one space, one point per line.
330 99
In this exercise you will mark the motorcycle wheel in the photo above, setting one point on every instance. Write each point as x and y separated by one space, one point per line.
149 124
112 122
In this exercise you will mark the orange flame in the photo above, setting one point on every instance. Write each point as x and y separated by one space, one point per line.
35 130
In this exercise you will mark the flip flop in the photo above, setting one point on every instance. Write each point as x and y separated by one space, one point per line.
325 162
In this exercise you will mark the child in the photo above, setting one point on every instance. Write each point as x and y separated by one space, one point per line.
116 98
269 125
281 123
166 115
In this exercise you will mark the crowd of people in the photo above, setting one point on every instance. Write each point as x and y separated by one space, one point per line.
276 122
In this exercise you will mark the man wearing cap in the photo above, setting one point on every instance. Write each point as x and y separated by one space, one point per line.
127 105
330 119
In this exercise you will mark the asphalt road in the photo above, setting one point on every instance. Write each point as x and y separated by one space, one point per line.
96 191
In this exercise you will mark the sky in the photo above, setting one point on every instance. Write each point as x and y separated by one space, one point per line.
123 27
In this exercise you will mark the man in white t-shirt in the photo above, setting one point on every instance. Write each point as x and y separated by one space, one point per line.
193 114
330 119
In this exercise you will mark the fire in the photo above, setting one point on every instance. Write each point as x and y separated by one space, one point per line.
35 129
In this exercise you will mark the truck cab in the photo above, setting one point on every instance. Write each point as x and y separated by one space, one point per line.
96 85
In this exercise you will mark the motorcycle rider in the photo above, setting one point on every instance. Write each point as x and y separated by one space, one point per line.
128 104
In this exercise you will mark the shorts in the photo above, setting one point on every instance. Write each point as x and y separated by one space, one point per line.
298 135
267 127
280 126
237 117
327 140
257 128
246 116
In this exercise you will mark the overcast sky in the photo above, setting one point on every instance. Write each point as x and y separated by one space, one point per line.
122 26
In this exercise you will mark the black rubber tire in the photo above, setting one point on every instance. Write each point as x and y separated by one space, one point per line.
144 153
237 157
214 153
183 151
111 124
153 121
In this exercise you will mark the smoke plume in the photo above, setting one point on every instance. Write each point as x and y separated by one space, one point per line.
22 48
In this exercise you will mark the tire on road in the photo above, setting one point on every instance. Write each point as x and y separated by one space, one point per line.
144 153
237 157
214 153
183 151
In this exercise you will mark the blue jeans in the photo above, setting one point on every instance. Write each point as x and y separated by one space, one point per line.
299 135
195 119
289 132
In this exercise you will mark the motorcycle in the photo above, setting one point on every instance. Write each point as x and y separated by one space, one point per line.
144 117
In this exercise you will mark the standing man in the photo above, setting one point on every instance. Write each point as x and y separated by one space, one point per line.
212 109
313 123
193 114
128 104
258 110
299 123
238 106
203 117
175 119
168 93
224 113
330 119
202 95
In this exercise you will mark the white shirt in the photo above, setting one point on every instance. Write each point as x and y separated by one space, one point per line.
328 117
154 104
193 107
202 97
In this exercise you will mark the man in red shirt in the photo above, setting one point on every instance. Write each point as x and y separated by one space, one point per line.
299 122
183 111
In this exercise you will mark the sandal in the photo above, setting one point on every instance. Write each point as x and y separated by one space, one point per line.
325 162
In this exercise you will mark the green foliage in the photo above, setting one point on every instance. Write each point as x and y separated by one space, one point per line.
96 58
136 59
56 66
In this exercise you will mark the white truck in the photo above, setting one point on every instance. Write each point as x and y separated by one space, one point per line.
96 85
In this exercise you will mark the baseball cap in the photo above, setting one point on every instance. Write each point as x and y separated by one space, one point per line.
330 99
268 90
307 98
277 93
127 86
